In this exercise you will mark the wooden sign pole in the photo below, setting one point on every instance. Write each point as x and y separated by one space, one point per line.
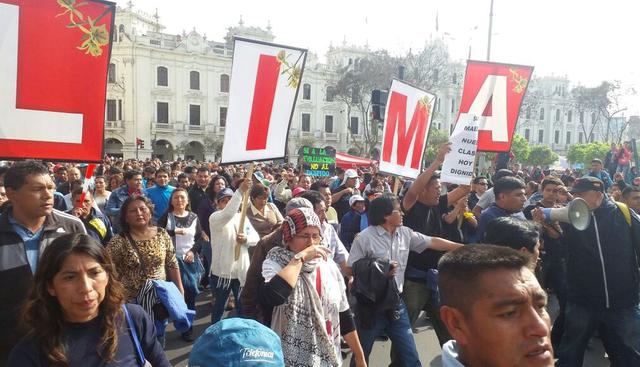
243 211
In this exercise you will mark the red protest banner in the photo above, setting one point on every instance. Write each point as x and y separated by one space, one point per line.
53 74
494 92
403 143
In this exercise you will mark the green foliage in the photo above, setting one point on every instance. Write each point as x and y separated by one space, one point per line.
520 148
434 141
584 153
541 155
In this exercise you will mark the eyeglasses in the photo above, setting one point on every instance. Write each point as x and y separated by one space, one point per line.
315 238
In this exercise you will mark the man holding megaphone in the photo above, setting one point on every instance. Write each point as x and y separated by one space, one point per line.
602 278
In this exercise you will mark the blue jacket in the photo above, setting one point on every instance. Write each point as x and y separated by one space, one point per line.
602 268
173 301
159 196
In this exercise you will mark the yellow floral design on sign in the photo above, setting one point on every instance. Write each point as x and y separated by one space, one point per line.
426 103
95 36
293 71
521 82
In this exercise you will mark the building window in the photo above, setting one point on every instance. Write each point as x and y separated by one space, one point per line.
354 125
580 138
224 83
453 105
162 111
558 115
591 138
306 122
194 80
593 117
541 117
162 76
582 117
194 114
306 91
556 137
331 94
528 112
568 139
111 73
569 116
328 123
526 134
355 95
119 110
223 116
540 135
438 105
111 110
454 78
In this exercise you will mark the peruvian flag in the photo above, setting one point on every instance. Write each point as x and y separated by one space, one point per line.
494 92
265 79
409 114
54 57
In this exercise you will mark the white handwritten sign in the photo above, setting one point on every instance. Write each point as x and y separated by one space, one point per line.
458 165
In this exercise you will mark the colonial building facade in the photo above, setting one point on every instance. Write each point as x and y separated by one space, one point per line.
171 92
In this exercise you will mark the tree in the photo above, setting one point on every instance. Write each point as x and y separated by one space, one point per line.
604 102
353 88
429 69
213 145
541 155
520 148
435 139
584 153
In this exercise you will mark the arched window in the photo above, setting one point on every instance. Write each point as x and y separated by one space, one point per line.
111 73
306 91
224 83
541 114
162 77
569 116
194 80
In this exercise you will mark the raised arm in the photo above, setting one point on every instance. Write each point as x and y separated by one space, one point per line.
411 197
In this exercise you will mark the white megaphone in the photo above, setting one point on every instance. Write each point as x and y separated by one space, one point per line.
577 213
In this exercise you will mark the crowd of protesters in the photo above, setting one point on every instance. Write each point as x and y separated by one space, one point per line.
328 264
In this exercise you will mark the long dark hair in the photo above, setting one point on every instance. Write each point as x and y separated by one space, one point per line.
123 211
178 189
42 313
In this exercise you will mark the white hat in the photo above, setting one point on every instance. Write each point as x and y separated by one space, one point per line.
350 173
354 199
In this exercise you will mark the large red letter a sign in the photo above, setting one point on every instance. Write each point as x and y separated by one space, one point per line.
494 92
403 145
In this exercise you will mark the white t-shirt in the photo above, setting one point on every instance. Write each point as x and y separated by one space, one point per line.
486 199
334 297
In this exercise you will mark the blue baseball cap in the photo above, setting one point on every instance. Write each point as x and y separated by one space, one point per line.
237 342
224 193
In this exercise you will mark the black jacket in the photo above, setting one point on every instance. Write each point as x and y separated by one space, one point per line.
602 267
375 291
15 273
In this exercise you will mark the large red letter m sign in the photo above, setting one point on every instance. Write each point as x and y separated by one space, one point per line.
404 144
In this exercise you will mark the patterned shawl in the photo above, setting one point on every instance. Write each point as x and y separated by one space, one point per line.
300 321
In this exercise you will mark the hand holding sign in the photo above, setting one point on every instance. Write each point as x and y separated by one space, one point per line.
458 167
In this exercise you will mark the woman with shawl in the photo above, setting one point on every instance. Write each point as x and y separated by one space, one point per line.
308 294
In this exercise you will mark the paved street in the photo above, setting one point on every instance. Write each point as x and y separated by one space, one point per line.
428 347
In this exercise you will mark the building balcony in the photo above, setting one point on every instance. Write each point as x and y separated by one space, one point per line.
114 125
331 136
195 129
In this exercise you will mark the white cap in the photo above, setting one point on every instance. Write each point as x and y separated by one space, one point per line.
354 199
